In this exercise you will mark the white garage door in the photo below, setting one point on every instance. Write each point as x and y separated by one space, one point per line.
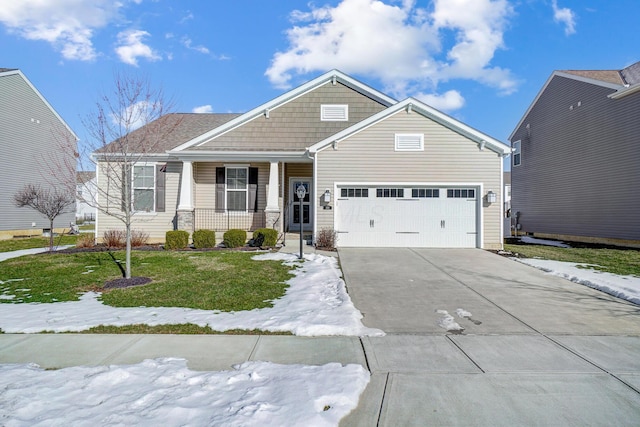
428 217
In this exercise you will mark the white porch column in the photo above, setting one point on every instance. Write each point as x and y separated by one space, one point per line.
186 187
272 211
272 195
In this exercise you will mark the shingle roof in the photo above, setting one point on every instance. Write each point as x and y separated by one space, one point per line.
2 70
609 76
85 176
170 131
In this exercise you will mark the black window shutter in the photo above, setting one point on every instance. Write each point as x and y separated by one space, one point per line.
253 188
160 187
220 182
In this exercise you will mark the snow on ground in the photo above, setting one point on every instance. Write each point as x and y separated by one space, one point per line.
534 241
625 287
316 303
165 392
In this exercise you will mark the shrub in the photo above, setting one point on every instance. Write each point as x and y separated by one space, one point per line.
114 238
235 238
139 238
326 239
204 239
86 240
265 237
176 239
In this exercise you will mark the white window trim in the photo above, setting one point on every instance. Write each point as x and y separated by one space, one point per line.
325 107
517 149
227 190
400 136
133 189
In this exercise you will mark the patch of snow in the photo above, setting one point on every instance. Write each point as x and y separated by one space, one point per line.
533 240
625 287
463 314
316 303
447 321
165 392
15 254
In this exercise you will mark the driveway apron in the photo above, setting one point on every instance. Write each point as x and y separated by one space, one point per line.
477 339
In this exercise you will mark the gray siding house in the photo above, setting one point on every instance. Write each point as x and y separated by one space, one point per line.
377 171
576 162
30 136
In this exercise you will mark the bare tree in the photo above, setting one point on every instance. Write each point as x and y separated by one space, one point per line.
128 127
49 203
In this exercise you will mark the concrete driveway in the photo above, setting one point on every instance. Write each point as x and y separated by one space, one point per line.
534 349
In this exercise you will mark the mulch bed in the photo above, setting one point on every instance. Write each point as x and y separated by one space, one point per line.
126 283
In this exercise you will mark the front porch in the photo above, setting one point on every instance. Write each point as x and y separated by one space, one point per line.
248 196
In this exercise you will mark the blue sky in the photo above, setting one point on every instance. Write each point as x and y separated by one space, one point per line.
481 61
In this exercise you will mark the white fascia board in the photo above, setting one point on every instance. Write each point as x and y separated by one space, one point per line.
324 79
621 93
544 87
155 157
37 92
242 156
420 108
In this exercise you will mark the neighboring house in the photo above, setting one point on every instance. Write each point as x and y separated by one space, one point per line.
576 163
31 135
377 171
86 196
507 204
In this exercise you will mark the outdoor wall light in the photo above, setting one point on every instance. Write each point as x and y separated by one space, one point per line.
326 197
492 197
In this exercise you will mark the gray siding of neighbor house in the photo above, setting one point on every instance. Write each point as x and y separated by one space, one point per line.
580 170
296 124
28 130
448 158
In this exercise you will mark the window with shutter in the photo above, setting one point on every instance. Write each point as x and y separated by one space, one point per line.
409 142
334 112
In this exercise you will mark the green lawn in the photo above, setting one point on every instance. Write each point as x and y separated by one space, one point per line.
35 242
216 280
616 261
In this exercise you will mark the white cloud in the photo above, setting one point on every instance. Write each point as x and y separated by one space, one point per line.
203 109
69 25
448 101
186 41
399 43
565 16
131 47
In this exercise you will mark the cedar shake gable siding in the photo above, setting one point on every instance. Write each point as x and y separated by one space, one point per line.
580 164
296 125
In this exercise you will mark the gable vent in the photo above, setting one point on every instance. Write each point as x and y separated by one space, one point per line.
409 142
334 113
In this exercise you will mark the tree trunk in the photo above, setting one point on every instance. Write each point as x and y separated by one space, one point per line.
128 254
50 235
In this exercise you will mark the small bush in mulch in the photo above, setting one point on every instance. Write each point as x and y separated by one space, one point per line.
204 239
234 238
326 239
176 239
126 283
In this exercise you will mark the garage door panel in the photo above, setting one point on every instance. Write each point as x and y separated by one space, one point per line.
406 222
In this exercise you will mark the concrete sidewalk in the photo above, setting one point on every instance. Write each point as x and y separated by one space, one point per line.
416 379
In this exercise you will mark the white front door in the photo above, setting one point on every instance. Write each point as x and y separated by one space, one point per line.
297 214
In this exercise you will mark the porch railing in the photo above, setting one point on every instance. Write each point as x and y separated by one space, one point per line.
214 219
